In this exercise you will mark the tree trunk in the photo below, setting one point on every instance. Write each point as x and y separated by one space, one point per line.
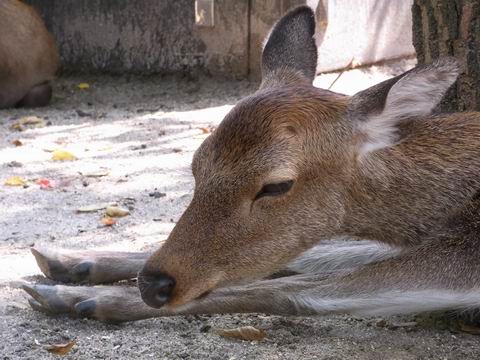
451 28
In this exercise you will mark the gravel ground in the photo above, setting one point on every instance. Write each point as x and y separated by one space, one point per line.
140 135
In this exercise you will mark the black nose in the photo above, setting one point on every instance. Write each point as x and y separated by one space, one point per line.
156 289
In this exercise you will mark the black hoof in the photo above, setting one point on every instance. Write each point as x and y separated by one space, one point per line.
80 272
85 309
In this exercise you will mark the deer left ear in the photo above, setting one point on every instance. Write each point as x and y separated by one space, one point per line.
414 94
290 54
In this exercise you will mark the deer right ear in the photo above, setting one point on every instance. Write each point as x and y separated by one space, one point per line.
290 54
380 109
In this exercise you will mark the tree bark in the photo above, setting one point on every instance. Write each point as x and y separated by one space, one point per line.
451 28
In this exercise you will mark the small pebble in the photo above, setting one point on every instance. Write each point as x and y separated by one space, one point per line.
157 194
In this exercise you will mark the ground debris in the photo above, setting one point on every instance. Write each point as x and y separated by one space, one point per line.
62 155
15 181
157 194
468 328
96 174
95 207
248 333
114 211
108 221
61 349
28 120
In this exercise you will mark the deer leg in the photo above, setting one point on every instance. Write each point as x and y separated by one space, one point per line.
94 267
442 276
39 95
101 267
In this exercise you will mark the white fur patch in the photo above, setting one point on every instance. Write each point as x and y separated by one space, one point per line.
414 95
335 255
390 302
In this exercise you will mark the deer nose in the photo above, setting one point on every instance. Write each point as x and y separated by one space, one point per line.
156 289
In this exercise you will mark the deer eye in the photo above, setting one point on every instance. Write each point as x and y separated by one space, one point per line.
275 189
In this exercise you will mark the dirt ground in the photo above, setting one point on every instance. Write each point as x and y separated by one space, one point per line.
139 134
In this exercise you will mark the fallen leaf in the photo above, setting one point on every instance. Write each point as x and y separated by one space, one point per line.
94 207
61 349
17 126
114 211
108 221
28 120
45 184
468 328
83 86
15 181
31 120
17 142
62 155
248 333
205 130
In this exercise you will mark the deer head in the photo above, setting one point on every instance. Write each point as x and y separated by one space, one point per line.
276 176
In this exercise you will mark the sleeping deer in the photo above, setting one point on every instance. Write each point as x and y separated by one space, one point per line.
307 202
28 57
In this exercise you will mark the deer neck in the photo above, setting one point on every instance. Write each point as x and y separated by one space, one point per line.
410 192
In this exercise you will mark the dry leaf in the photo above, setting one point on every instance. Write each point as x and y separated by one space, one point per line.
17 126
15 181
83 86
94 207
17 142
205 130
467 328
108 221
114 211
62 155
45 184
31 120
248 333
28 120
61 349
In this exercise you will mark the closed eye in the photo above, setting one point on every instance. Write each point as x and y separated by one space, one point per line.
275 189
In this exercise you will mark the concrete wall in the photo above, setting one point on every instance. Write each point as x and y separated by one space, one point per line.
146 36
362 31
160 36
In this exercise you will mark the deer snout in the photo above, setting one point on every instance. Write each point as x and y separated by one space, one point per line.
156 288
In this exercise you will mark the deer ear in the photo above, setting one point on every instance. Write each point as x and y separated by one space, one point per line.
290 53
380 109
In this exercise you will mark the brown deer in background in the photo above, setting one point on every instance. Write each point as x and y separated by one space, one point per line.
28 57
290 174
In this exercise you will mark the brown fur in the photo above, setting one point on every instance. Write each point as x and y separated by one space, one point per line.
403 195
377 165
28 54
